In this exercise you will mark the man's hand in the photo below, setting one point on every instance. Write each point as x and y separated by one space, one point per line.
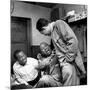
26 83
39 57
83 75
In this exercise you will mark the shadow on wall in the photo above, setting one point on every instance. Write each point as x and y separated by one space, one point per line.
34 51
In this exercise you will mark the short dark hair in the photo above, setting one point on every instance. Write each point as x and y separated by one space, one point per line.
41 23
44 43
15 53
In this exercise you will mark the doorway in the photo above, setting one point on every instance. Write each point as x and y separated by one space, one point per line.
20 36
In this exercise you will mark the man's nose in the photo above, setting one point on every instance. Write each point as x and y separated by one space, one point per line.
23 58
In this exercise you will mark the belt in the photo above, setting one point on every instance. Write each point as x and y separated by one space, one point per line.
33 82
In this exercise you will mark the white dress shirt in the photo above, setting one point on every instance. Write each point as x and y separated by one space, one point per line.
27 72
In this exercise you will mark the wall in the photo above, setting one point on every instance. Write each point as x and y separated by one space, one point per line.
77 8
34 12
69 7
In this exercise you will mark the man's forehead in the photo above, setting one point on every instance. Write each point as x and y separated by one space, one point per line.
44 45
20 53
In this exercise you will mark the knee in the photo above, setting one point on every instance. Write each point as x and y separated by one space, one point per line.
43 82
67 74
45 78
68 71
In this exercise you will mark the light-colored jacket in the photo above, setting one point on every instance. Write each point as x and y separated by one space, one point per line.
66 44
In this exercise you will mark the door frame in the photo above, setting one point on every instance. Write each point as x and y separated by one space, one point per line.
29 38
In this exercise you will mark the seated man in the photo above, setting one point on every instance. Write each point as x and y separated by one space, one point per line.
24 69
48 63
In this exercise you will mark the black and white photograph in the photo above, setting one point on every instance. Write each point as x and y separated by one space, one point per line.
48 44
